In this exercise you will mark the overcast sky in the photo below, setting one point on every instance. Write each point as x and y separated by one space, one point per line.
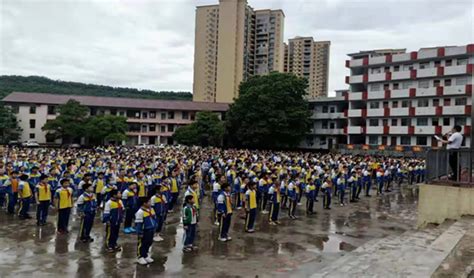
149 44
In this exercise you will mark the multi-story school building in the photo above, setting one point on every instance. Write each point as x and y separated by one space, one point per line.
404 98
149 121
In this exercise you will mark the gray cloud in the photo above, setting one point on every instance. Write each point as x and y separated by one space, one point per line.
149 44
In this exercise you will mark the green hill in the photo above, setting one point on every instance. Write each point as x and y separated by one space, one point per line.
39 84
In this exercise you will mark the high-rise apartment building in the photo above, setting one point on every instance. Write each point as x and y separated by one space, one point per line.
400 98
309 59
232 43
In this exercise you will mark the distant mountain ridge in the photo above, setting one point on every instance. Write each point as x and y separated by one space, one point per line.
40 84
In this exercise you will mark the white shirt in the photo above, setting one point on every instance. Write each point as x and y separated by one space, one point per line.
455 141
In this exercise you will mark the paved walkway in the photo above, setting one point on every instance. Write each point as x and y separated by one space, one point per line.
415 253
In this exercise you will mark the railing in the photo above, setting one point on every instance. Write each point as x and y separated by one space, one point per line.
450 166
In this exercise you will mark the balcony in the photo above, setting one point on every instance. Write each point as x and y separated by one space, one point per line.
379 112
404 93
454 110
399 129
354 130
399 112
426 92
320 115
355 96
376 95
428 53
354 113
159 121
328 131
425 111
455 70
374 77
401 57
377 60
374 129
149 133
427 72
456 50
425 130
454 90
398 75
353 79
356 63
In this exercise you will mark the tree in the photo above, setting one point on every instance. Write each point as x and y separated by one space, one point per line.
9 129
70 125
106 128
271 112
207 130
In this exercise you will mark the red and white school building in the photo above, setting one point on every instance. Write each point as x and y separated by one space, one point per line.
399 98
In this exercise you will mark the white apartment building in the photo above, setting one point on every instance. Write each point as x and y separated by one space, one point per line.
329 122
399 98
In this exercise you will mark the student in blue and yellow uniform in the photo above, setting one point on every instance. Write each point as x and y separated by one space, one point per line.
34 178
327 187
64 204
275 200
130 202
158 202
174 191
87 207
250 207
293 199
145 222
3 187
113 216
224 210
24 196
43 200
12 189
99 185
310 196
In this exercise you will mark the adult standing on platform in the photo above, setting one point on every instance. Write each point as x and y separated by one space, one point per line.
454 143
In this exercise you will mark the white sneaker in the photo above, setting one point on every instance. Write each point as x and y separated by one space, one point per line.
229 238
142 261
222 239
157 238
264 212
149 260
216 223
299 204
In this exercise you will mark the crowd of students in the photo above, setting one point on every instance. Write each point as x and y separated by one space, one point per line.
140 187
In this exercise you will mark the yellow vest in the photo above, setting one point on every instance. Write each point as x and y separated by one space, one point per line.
174 185
44 192
141 189
65 198
252 199
228 204
99 186
25 191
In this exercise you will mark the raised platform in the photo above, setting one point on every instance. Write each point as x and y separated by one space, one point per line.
440 202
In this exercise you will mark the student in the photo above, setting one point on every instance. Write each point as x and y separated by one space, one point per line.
380 182
189 223
341 187
43 200
158 202
12 188
224 210
113 216
98 186
250 208
145 223
192 190
87 207
175 187
130 202
64 203
367 181
87 178
275 199
106 192
3 187
293 200
326 187
216 191
310 196
284 191
24 195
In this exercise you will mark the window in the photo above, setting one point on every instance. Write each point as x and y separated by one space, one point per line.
163 128
449 63
407 84
163 116
422 121
386 87
460 121
122 113
113 112
32 123
437 83
15 109
374 87
185 115
385 122
423 103
394 122
461 80
437 63
385 104
324 124
325 109
421 140
375 70
405 140
406 103
434 122
374 105
447 82
424 65
395 86
460 101
170 128
152 128
406 122
436 102
32 136
447 102
373 122
461 62
446 121
144 115
93 111
32 109
373 140
332 109
332 126
396 68
386 69
395 104
423 84
144 128
407 67
152 115
51 110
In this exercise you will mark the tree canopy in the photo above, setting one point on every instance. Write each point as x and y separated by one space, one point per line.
9 129
207 130
106 128
39 84
270 112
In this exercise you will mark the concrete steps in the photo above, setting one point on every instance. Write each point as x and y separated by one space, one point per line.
415 253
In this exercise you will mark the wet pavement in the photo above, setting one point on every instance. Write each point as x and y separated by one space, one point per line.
294 248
